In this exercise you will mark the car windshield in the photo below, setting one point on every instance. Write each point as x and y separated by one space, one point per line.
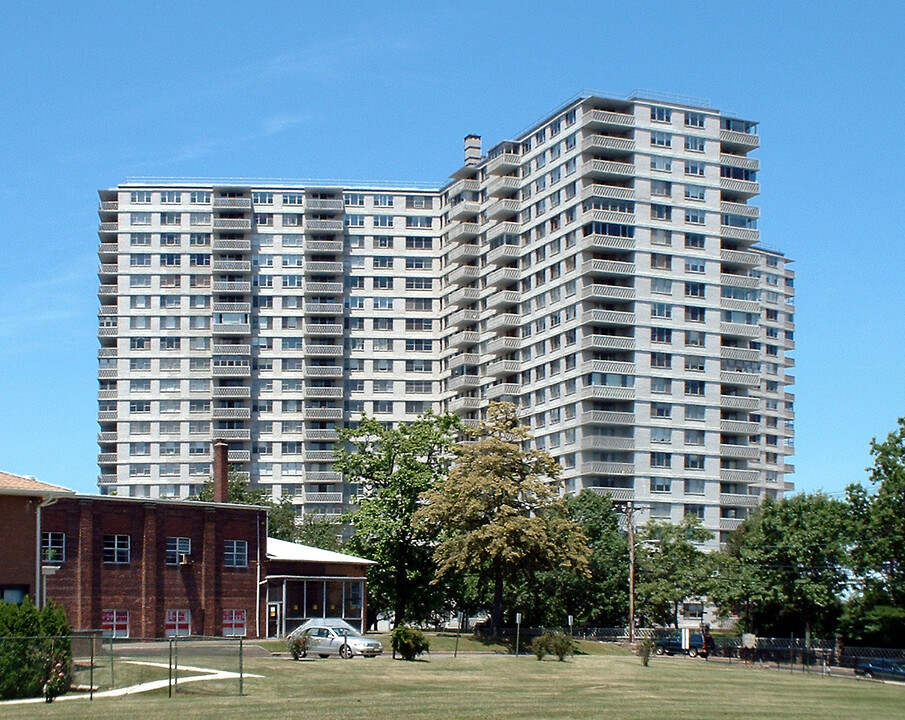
345 632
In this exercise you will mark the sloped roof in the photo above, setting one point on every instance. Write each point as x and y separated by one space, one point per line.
283 550
22 485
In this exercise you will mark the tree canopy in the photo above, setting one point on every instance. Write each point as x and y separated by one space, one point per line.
498 510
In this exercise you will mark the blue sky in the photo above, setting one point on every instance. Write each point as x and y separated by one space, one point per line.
93 93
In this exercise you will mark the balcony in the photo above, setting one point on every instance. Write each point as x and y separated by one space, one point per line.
604 442
504 299
506 228
503 209
322 497
730 353
463 317
463 275
617 494
232 224
231 245
503 187
748 452
323 246
108 248
607 468
743 281
463 338
604 169
334 206
749 141
231 329
607 216
607 417
504 321
324 308
461 186
323 329
238 455
319 456
740 187
106 479
240 434
606 392
503 164
605 142
232 349
465 251
748 306
607 267
324 371
607 342
231 413
730 524
108 269
232 307
464 210
503 276
740 330
232 203
104 290
324 350
463 231
242 266
327 226
318 434
732 208
739 427
327 268
463 296
463 359
608 366
106 373
503 254
739 402
326 476
463 382
608 317
323 288
324 413
616 192
106 437
502 368
731 377
464 403
107 331
106 458
737 233
739 500
231 286
598 291
503 345
607 118
323 392
504 390
219 371
739 476
231 392
108 227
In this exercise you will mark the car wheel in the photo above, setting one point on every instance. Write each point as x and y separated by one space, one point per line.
693 652
869 675
345 652
303 654
324 655
661 650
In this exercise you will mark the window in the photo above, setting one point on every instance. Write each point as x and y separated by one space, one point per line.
694 387
694 462
694 363
660 164
695 217
659 261
661 286
53 547
660 114
178 622
419 221
418 345
660 485
660 410
660 460
694 413
694 265
660 360
140 197
694 314
694 168
235 554
177 549
694 338
660 385
419 243
694 143
694 437
694 240
660 335
694 289
383 406
117 549
694 192
115 623
234 623
383 386
418 283
660 212
354 199
660 139
661 310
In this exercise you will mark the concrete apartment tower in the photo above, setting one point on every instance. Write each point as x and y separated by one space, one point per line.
602 270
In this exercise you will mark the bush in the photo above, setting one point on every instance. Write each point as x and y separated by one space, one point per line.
34 650
299 646
409 642
645 650
555 643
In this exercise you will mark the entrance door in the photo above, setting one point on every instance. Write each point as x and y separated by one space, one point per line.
274 619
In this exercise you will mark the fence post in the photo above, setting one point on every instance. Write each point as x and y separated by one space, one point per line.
241 674
112 669
791 653
175 663
170 669
91 672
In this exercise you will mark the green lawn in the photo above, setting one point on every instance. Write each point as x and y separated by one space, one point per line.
498 686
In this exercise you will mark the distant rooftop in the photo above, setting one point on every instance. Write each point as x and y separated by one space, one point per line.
283 550
23 485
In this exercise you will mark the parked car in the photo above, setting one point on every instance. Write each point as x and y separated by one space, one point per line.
881 668
698 644
327 640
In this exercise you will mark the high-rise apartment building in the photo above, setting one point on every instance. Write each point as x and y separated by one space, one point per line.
602 270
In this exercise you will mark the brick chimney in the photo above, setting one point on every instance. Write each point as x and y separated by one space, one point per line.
221 471
472 149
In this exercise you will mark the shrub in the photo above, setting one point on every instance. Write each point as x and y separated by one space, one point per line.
541 645
299 646
34 649
645 650
409 642
562 645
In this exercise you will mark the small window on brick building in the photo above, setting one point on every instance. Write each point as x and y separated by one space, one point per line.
53 547
115 623
233 623
236 554
178 622
178 548
117 549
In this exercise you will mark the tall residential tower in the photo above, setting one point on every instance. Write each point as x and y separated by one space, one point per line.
602 270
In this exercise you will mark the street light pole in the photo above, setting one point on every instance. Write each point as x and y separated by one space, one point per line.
629 511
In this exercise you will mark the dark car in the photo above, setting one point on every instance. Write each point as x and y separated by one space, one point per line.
881 669
698 644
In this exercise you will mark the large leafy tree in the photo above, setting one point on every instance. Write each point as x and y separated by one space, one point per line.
498 510
672 567
787 565
394 466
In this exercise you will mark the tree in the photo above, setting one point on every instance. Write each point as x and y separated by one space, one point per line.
394 466
498 511
315 530
788 564
671 567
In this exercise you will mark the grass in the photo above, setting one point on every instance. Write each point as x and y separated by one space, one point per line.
493 686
